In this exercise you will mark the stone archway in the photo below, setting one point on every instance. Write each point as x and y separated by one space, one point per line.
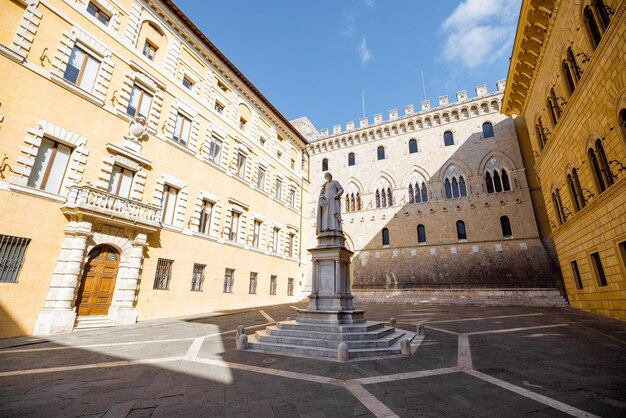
96 288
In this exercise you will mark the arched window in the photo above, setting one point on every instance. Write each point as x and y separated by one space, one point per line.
602 13
380 153
622 122
497 183
347 203
352 203
569 76
385 236
592 26
358 201
455 188
448 189
600 166
558 207
418 196
541 133
575 190
553 107
351 160
460 230
573 64
489 182
448 138
424 193
487 130
389 198
506 184
384 196
421 233
412 146
506 227
462 188
377 199
325 164
411 196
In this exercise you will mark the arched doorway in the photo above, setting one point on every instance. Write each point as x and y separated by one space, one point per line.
96 288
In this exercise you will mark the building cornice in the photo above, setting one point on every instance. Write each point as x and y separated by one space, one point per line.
534 28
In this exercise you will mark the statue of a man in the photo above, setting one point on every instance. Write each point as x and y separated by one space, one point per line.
329 206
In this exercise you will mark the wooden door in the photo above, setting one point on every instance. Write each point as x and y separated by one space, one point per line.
96 288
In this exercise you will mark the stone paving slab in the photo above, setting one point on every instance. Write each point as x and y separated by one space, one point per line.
575 367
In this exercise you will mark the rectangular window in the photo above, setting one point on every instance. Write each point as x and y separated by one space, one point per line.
293 164
234 225
12 250
252 285
256 237
149 50
275 233
219 108
187 83
222 86
97 12
215 150
242 124
163 274
622 252
139 103
168 204
292 198
260 179
205 217
229 279
279 189
241 165
576 275
50 165
598 270
82 69
197 277
273 282
182 129
290 244
290 287
121 181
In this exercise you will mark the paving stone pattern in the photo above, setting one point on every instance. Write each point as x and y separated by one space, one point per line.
474 361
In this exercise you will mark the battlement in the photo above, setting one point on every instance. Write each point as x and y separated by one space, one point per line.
461 97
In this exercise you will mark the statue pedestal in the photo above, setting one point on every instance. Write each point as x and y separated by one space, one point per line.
330 301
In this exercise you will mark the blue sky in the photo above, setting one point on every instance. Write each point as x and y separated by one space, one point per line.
314 58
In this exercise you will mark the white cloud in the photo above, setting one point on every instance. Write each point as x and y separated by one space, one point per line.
364 52
348 25
480 31
370 3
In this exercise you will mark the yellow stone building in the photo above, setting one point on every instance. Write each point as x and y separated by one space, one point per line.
142 174
567 81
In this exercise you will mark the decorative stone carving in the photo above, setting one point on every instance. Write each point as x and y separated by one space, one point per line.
137 132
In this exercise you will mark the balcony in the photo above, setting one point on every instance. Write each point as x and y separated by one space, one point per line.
112 209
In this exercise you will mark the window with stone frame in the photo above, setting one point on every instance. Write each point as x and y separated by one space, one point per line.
182 129
12 251
290 286
260 178
488 130
578 283
278 191
351 159
50 166
290 244
600 166
140 102
505 225
188 83
149 50
273 284
598 269
219 107
97 12
215 150
385 236
461 233
497 180
253 282
234 225
229 280
256 233
421 234
292 198
206 214
82 69
413 146
275 238
448 138
622 252
163 274
455 188
576 192
169 202
380 153
325 164
622 122
557 204
121 181
197 277
241 165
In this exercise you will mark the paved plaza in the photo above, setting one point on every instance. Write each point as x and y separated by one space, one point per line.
474 361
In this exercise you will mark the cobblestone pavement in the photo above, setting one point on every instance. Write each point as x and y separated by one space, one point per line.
474 361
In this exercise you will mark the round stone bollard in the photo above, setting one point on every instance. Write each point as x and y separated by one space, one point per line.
392 322
240 331
343 354
405 347
420 328
242 342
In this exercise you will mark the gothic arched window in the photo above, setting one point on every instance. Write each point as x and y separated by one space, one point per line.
424 193
600 166
352 203
489 182
351 159
462 188
448 189
506 227
325 164
592 27
384 197
487 130
411 196
347 203
569 76
418 196
389 198
622 122
575 190
412 146
358 201
460 230
385 236
497 183
421 233
377 199
541 133
455 188
558 206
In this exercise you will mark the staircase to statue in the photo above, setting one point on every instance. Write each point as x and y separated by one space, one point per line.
291 338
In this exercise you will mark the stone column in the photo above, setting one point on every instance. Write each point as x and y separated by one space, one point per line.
59 311
123 311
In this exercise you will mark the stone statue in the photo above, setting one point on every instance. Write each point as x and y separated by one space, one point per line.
329 206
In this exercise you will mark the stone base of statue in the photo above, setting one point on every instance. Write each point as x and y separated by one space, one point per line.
330 318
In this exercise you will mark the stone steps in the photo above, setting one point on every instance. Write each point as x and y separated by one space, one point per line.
314 341
93 322
339 337
332 328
